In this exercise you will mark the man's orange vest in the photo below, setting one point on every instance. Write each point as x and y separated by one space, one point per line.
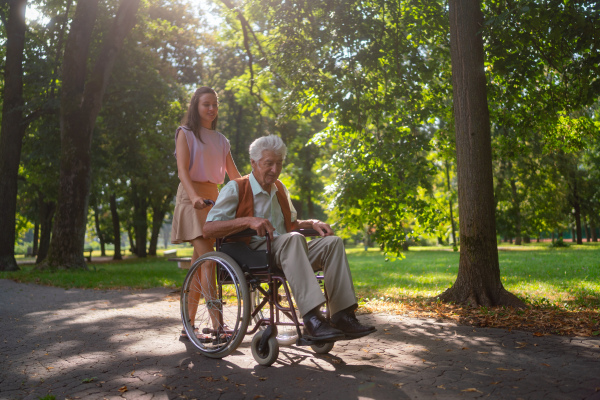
246 202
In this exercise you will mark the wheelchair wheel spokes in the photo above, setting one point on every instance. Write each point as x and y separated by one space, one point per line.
215 300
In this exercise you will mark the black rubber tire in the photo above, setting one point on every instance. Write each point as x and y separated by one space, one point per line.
322 348
272 352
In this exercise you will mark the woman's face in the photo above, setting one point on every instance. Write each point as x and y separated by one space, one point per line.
208 108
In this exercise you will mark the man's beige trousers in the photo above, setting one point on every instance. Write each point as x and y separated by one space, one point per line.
300 259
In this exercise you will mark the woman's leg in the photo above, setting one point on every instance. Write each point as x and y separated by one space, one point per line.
206 277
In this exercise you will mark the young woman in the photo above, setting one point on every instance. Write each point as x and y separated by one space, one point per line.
203 156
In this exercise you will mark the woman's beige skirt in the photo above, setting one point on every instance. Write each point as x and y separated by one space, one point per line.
187 220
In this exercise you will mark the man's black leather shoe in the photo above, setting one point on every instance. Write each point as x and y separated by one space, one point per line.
317 328
348 323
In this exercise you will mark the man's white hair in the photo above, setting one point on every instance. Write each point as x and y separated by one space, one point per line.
271 142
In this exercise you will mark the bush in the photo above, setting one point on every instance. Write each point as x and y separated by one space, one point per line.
559 243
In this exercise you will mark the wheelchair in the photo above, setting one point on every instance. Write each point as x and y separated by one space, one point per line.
250 296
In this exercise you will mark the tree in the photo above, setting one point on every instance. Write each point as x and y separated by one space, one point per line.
81 101
478 281
13 128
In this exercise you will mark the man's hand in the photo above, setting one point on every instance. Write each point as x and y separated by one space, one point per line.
322 228
262 226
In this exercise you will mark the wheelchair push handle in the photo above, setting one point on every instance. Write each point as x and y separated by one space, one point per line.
209 202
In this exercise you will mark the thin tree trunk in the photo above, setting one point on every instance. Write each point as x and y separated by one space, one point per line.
47 210
11 131
36 237
140 219
99 232
478 281
116 227
158 217
80 104
130 234
517 209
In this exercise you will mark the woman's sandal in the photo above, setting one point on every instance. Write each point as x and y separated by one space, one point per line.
199 335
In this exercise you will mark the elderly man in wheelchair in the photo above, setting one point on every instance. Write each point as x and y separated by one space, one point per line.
259 205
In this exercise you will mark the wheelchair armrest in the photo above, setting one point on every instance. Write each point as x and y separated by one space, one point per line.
245 233
251 232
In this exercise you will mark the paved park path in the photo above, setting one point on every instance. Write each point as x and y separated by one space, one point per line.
91 344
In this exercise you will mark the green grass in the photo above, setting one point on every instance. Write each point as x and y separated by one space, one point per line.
564 277
135 273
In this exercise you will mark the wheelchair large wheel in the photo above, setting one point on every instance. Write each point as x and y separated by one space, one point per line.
286 334
216 316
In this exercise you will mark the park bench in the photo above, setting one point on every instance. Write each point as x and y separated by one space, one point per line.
170 253
89 251
182 262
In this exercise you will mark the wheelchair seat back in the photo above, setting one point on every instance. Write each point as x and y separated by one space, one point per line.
249 260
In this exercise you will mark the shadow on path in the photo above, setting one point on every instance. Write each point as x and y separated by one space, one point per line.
125 344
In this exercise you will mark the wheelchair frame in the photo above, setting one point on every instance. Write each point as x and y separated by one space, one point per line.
239 271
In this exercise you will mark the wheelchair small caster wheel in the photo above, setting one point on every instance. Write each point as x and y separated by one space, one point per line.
322 348
269 353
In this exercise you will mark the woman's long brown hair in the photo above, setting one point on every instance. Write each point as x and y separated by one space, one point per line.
192 117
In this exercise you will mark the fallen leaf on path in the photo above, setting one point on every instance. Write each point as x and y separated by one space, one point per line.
123 389
502 369
399 384
545 365
471 390
441 387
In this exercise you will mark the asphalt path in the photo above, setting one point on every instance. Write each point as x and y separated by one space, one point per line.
124 344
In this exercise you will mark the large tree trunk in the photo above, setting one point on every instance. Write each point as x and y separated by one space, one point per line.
80 104
478 281
116 227
11 132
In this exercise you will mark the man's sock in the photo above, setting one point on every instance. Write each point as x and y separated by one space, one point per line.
348 310
314 312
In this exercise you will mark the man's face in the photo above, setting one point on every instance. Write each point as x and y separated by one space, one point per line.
267 169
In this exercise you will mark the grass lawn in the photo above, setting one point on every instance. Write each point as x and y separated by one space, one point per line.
565 277
561 284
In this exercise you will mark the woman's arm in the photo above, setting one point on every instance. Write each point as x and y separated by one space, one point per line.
183 164
231 169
